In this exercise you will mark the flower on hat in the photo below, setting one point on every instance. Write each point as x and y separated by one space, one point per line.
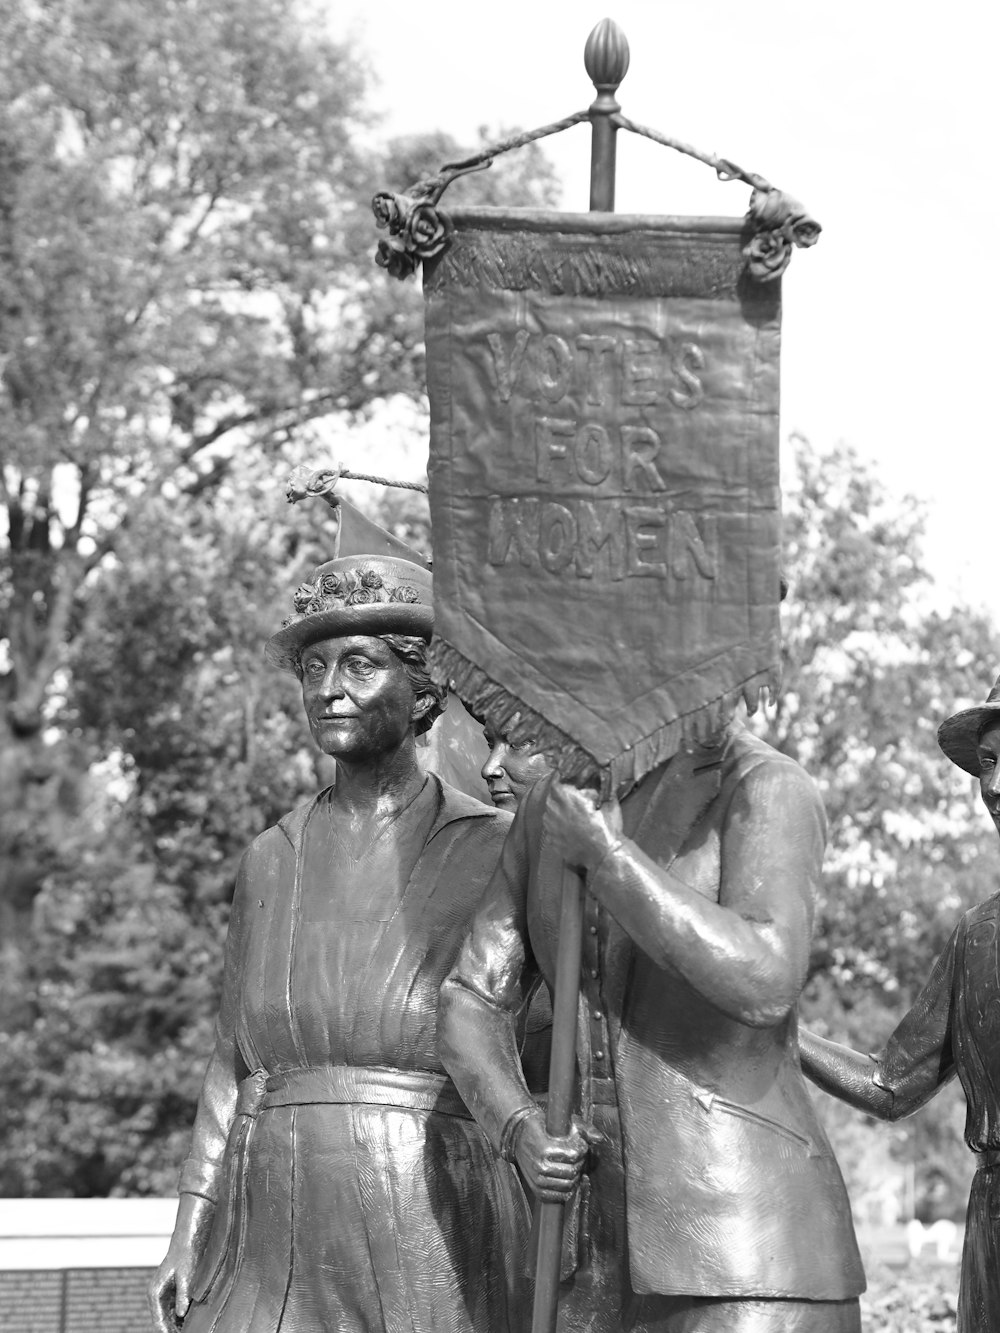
353 587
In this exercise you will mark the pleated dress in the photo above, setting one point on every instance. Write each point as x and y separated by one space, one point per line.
356 1194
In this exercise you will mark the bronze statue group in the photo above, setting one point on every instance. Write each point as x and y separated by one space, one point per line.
370 1141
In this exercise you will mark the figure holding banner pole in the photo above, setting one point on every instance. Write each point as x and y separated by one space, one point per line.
700 1192
715 1204
603 480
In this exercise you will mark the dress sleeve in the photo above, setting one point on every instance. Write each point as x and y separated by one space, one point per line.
485 992
217 1102
919 1056
747 953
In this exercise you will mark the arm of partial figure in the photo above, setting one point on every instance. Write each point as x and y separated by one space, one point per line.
477 1039
748 953
170 1289
917 1060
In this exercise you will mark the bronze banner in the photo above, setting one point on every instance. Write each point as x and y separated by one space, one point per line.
603 480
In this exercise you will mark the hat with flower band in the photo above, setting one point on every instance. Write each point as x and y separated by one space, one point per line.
958 735
356 594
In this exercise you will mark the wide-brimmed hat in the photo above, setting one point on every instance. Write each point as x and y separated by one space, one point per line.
958 736
356 594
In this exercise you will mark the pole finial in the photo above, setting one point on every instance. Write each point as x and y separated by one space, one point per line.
606 57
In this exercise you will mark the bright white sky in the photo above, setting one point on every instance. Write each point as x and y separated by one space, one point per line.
879 115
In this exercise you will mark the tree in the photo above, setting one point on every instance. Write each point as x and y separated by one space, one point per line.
871 668
186 278
188 301
194 746
193 750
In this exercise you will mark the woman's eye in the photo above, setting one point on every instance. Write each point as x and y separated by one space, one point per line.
360 666
314 668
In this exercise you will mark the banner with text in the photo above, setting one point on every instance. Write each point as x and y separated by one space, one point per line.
603 478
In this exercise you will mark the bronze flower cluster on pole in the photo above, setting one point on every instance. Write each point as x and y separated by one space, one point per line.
775 222
417 231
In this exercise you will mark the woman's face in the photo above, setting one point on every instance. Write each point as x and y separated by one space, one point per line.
511 770
988 750
358 698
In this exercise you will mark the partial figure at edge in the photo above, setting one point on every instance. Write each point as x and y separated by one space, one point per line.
949 1030
510 771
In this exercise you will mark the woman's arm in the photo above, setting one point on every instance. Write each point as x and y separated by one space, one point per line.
746 954
918 1058
477 1037
170 1288
483 995
849 1075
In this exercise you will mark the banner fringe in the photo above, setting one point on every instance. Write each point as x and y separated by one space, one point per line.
493 704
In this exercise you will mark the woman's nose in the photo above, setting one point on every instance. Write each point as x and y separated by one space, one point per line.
493 768
993 785
330 686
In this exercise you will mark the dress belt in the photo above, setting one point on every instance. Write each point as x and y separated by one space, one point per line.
987 1159
348 1085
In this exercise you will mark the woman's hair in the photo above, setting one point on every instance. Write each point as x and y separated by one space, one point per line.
411 650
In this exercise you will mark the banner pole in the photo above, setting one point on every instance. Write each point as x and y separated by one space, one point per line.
559 1112
606 57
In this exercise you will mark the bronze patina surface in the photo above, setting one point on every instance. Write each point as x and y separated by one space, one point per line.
336 1179
604 455
713 1200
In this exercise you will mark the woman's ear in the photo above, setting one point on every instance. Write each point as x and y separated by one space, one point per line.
422 706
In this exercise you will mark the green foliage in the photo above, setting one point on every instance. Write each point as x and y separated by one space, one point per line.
523 176
186 273
871 668
914 1299
188 301
187 298
197 747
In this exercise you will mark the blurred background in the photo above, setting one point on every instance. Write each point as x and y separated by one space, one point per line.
189 308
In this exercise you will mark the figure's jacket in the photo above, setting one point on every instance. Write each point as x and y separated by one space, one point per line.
731 1186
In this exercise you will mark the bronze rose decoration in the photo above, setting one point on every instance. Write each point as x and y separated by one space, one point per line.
417 231
775 222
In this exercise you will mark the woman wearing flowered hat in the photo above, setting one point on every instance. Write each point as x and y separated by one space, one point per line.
951 1029
336 1181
